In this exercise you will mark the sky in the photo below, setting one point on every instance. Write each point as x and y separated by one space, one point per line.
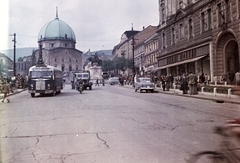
97 24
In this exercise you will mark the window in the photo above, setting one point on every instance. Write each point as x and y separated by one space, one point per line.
62 60
70 60
77 68
189 1
220 14
203 24
76 61
173 36
163 40
70 67
190 28
62 67
163 14
55 59
228 14
209 12
181 32
51 45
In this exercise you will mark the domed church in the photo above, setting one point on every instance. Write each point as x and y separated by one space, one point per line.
58 47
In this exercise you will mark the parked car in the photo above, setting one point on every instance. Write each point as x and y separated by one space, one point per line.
144 84
113 80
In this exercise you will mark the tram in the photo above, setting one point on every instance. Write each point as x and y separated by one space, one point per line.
45 79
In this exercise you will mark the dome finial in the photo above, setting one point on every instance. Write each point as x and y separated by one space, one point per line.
56 12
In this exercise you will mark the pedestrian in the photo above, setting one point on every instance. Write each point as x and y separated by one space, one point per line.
167 81
103 82
97 82
192 81
184 83
163 83
237 78
5 91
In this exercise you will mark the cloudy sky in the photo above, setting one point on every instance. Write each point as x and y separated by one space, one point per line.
97 24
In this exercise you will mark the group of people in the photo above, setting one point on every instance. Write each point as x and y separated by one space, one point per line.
231 77
187 82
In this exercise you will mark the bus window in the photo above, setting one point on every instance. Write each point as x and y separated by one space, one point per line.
41 74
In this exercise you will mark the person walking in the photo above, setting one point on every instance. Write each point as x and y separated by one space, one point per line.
5 91
192 79
184 83
97 82
237 78
103 82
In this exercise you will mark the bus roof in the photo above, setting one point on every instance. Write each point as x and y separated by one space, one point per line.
44 68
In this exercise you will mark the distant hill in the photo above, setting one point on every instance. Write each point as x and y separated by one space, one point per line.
23 52
20 52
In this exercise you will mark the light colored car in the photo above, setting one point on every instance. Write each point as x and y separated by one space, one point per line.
113 80
144 84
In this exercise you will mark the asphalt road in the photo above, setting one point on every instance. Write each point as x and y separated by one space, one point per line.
110 124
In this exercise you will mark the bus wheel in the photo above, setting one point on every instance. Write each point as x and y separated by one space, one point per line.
32 94
90 88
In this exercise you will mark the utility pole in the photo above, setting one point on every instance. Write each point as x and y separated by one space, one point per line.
14 54
133 42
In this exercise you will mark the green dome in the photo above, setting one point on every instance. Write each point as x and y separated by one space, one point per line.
56 30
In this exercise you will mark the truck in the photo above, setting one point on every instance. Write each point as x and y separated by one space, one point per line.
85 76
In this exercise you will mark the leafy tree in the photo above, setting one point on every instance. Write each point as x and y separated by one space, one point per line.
107 65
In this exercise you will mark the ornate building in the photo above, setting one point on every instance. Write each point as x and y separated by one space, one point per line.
201 36
58 47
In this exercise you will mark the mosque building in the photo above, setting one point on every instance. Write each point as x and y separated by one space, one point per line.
58 47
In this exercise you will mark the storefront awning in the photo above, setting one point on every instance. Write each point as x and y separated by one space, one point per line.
180 63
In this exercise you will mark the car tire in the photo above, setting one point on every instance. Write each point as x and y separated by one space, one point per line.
135 90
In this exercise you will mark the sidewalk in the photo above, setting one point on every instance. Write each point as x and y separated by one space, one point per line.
220 98
13 93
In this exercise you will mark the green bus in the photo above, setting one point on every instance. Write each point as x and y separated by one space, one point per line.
45 80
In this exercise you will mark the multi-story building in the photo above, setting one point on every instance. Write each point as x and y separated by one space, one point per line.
201 36
150 54
23 66
6 65
142 52
124 48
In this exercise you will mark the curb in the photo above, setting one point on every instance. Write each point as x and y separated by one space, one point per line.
203 97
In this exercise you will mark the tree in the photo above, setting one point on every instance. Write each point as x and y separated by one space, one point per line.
107 65
121 64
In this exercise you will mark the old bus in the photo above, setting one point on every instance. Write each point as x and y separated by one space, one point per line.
45 80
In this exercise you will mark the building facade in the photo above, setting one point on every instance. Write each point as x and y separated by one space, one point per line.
200 36
143 50
6 65
58 47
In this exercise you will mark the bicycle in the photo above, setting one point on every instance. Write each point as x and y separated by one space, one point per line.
227 151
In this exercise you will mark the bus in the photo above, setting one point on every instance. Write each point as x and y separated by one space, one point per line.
45 79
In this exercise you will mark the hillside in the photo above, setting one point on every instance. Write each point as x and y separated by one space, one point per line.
22 52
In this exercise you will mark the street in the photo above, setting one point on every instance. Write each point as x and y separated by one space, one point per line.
109 124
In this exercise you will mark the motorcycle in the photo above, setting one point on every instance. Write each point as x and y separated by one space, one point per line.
80 88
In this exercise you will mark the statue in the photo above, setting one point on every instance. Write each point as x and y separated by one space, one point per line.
95 59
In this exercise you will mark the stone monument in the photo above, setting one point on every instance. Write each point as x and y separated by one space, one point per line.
95 67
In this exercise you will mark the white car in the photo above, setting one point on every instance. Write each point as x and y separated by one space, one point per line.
144 84
113 80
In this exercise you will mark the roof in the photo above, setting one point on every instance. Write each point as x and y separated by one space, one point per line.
56 29
130 33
